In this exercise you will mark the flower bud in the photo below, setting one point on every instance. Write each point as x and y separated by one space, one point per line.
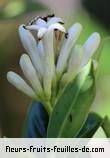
74 64
30 45
90 47
72 37
20 84
49 68
31 74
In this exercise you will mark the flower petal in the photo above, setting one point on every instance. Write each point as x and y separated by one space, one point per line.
41 32
49 67
41 23
31 74
30 45
90 47
33 27
20 84
73 35
54 20
58 27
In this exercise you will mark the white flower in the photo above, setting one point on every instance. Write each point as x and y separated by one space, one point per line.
50 63
44 24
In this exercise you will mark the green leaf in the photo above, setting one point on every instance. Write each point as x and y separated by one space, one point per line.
72 107
36 122
106 126
91 125
16 8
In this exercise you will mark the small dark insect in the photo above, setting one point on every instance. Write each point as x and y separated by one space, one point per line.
24 27
70 117
62 23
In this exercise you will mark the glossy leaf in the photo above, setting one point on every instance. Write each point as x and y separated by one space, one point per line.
71 109
91 125
36 123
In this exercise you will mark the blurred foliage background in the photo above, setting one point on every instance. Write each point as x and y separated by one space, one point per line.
92 14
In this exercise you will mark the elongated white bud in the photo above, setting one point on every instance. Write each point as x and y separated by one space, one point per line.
27 39
30 45
74 64
49 67
31 74
72 37
75 59
20 84
90 47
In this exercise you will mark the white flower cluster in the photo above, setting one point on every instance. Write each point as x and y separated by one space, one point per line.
53 56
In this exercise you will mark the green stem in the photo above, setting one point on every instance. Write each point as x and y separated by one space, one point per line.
48 107
46 103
